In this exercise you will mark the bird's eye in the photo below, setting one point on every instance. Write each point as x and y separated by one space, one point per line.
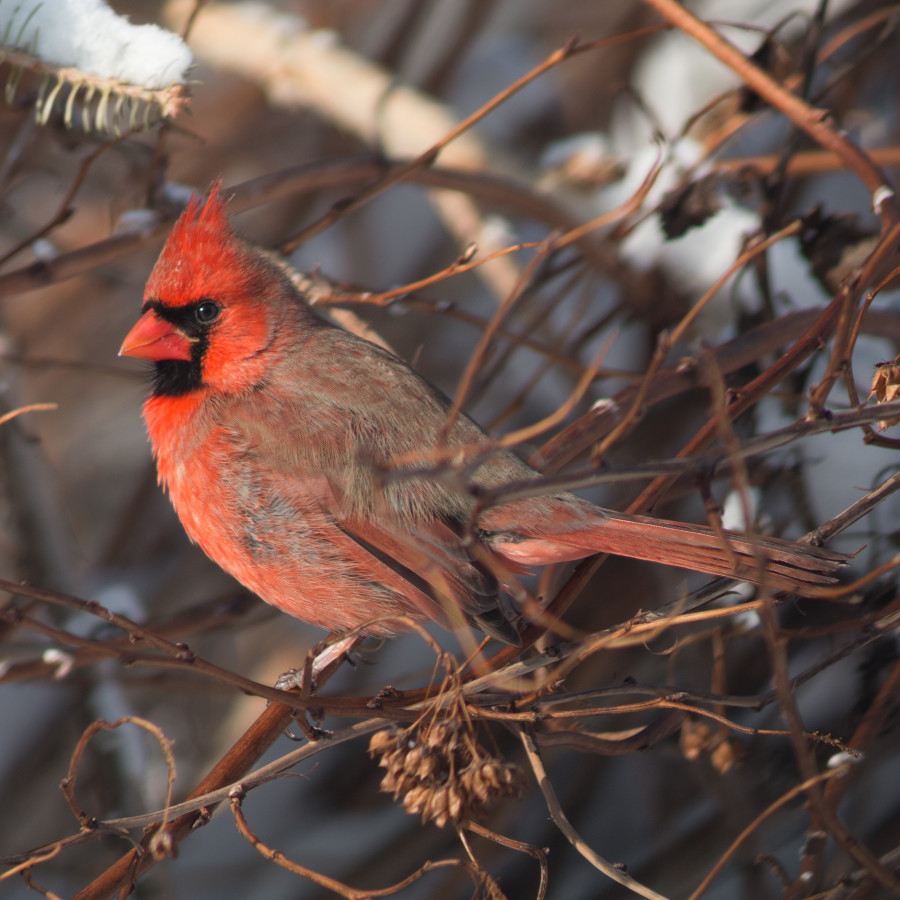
207 311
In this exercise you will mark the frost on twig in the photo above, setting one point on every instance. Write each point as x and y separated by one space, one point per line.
90 67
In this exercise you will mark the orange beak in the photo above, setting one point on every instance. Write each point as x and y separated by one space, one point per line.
155 339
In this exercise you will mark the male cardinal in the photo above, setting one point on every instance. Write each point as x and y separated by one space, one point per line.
273 428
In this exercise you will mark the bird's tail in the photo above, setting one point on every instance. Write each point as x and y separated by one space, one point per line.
782 565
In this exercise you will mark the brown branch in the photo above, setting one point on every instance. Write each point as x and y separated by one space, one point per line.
429 156
730 357
815 122
806 162
784 799
503 192
808 343
867 731
585 742
64 210
536 852
331 884
171 655
612 871
233 766
21 410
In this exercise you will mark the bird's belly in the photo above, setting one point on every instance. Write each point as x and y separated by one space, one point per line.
284 545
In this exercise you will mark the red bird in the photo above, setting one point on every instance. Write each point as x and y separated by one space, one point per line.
272 429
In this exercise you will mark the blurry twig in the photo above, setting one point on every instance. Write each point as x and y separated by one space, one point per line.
749 394
787 797
731 356
231 767
711 464
32 407
822 815
872 723
430 155
465 263
551 245
815 122
171 654
65 209
67 785
236 797
540 854
314 177
806 162
615 872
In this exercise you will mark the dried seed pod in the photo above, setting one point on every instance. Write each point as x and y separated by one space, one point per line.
439 818
490 775
415 800
455 804
476 784
413 759
513 780
396 782
439 805
389 760
381 741
440 772
443 736
389 783
405 784
427 807
886 387
428 766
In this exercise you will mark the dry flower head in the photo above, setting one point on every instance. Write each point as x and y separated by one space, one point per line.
886 387
440 772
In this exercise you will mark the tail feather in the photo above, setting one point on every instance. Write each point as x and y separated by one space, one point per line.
787 565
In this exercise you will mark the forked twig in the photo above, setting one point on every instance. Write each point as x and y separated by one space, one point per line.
236 797
787 797
611 870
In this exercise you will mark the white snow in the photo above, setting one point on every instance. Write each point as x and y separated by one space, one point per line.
676 76
698 258
591 146
90 36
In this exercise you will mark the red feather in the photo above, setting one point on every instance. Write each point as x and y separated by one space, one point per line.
272 429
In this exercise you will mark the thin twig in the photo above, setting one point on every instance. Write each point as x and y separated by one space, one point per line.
815 122
783 800
612 871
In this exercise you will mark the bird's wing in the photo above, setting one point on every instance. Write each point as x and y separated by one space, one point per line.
435 563
406 536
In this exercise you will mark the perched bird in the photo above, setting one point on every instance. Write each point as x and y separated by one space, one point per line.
274 432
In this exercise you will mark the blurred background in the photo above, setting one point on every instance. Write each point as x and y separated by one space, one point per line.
300 105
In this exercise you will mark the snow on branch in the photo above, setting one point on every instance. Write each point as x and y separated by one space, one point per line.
95 69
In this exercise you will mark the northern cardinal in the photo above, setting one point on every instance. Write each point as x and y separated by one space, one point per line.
272 428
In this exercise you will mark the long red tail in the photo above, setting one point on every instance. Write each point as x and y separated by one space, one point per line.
788 566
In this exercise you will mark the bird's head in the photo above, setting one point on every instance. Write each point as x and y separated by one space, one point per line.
208 306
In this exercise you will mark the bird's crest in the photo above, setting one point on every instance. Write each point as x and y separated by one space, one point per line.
203 212
201 252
